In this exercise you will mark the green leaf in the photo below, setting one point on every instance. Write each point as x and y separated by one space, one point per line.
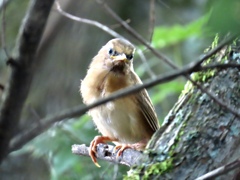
164 36
224 17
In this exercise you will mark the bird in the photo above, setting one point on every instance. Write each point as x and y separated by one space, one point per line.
128 122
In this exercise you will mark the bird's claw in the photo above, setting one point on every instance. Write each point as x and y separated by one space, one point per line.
93 147
120 149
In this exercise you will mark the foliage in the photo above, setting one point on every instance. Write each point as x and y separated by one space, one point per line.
165 36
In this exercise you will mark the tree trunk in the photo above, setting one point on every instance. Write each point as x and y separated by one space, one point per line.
200 135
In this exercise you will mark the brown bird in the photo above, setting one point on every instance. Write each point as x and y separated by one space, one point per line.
128 122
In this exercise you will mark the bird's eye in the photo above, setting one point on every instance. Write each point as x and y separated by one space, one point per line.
129 57
111 52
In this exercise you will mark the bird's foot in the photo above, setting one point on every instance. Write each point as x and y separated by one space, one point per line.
137 146
93 146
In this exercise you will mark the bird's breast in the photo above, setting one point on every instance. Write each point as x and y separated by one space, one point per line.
119 119
115 82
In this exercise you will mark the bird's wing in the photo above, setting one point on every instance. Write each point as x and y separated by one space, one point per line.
147 109
145 105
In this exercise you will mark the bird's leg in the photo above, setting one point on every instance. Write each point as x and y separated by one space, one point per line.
93 146
137 146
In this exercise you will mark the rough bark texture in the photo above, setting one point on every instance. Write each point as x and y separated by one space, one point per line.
200 135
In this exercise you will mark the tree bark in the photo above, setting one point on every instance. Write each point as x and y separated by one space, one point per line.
199 135
22 64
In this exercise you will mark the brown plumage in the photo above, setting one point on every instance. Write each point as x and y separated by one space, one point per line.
129 122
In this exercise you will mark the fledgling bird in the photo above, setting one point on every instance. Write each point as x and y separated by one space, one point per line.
128 122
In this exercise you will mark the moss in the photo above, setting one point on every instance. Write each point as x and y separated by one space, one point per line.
134 173
159 168
213 45
152 170
203 76
215 41
187 89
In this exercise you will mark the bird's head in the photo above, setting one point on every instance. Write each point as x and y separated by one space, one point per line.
116 56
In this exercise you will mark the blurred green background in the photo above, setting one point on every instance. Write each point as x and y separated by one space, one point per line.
66 49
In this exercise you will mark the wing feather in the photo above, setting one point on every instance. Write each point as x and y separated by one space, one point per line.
145 105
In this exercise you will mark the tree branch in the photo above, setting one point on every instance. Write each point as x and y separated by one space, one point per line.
88 21
3 30
221 170
105 152
136 35
151 19
22 139
21 76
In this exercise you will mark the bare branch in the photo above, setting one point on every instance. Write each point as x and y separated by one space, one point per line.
105 152
22 139
221 170
145 62
105 29
88 21
21 76
151 19
3 30
115 26
136 35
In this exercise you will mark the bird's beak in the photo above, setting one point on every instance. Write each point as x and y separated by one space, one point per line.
120 57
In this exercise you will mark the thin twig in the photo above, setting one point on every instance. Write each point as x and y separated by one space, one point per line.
115 26
22 138
170 10
145 62
3 29
136 35
105 29
221 170
151 19
88 21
